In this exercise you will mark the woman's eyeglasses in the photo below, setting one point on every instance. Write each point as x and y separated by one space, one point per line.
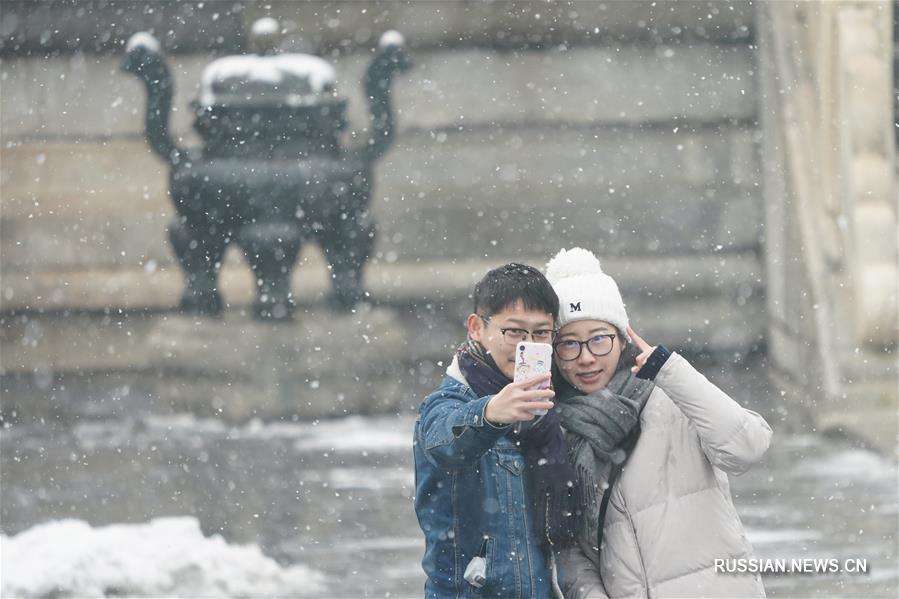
598 345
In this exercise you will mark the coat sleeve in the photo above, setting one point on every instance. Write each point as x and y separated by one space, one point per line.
732 437
579 578
452 430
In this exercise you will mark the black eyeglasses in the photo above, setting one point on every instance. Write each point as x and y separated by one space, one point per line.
513 336
598 345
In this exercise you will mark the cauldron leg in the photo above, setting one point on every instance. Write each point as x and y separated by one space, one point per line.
271 249
347 245
200 255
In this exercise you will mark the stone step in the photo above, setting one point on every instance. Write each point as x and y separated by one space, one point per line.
626 191
661 276
44 27
865 364
89 97
134 364
323 364
450 23
72 206
235 367
854 364
612 85
57 322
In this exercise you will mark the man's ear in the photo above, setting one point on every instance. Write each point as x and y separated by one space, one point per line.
475 325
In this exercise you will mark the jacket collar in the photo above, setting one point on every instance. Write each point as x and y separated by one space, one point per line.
455 371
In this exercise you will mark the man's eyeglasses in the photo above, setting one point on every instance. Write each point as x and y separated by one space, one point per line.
513 336
598 345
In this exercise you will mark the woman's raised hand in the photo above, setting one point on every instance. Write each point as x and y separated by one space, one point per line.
645 350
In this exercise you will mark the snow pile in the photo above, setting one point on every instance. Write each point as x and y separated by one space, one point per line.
780 536
357 434
166 557
296 78
847 466
391 38
145 40
265 26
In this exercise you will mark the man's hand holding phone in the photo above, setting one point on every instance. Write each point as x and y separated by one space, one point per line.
532 360
516 402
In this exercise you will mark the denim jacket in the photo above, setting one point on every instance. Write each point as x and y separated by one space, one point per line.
470 500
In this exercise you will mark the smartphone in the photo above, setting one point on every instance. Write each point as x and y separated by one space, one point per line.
532 359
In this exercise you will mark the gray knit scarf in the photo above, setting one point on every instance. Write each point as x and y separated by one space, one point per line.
601 430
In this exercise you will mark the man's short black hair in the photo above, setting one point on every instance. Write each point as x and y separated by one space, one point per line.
502 287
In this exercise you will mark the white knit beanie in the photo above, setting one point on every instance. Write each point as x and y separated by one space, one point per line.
585 291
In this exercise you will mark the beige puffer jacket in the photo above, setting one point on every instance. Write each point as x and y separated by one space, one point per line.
670 514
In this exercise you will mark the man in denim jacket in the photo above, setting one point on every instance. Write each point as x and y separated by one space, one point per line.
482 537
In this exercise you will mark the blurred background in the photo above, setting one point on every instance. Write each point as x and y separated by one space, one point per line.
731 163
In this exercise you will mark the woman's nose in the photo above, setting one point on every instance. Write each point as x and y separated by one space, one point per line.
586 357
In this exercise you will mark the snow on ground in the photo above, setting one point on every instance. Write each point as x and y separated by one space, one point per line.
165 557
764 536
356 433
849 465
372 434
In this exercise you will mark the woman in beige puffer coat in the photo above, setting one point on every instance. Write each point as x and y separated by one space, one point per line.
669 513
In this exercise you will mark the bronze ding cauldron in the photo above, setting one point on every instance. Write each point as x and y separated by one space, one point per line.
271 172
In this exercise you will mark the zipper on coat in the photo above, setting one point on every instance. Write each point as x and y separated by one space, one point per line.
553 568
630 520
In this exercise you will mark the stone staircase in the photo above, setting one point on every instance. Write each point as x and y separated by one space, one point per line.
640 147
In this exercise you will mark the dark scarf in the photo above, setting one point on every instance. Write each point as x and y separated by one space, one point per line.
601 429
550 479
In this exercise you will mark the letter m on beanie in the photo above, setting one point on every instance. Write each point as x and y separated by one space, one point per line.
575 307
